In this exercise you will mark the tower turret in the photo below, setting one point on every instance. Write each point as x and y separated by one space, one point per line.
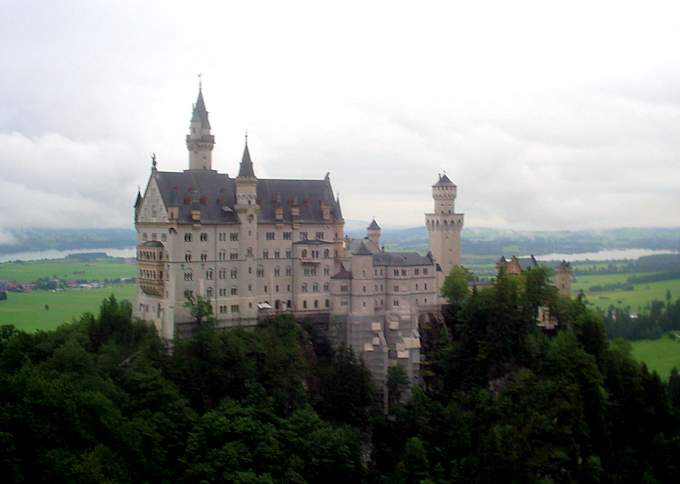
444 227
200 142
373 231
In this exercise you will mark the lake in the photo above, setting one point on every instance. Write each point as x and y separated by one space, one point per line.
602 255
60 254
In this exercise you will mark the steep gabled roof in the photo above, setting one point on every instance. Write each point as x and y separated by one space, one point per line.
444 180
401 259
362 250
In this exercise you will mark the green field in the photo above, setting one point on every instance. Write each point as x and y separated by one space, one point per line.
66 270
27 311
660 354
636 299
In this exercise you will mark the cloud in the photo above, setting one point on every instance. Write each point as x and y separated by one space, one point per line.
545 116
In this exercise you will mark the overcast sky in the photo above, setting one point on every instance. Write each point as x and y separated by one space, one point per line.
545 114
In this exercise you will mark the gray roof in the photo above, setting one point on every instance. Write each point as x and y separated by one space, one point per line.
401 259
152 243
246 168
362 250
374 225
444 180
200 113
138 200
527 262
342 274
216 196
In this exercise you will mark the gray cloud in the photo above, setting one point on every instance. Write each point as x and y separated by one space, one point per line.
544 118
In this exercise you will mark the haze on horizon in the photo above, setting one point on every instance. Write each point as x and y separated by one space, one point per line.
546 116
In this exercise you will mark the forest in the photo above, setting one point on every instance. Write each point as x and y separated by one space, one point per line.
103 399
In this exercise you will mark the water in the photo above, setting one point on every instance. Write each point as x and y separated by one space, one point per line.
602 255
60 254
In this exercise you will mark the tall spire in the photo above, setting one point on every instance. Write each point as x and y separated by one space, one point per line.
200 113
200 141
246 168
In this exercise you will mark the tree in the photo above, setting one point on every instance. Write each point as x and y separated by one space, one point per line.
199 308
397 382
456 287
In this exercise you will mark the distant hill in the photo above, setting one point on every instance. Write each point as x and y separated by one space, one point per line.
476 241
489 241
34 239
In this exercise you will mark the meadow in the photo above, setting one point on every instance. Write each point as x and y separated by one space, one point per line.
660 354
635 299
67 270
27 310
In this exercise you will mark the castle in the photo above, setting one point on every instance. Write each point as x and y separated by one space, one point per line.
256 247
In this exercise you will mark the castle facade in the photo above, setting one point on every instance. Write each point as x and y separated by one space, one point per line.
256 247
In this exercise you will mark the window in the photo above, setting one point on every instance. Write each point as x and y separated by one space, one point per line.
187 237
188 293
289 253
289 271
395 302
204 237
287 236
233 255
316 303
188 276
265 254
404 272
304 304
396 272
209 274
234 291
304 287
319 236
363 288
210 292
277 254
266 289
187 257
328 303
303 235
276 288
223 309
234 273
145 236
416 286
222 255
260 271
249 252
204 257
221 236
416 271
277 271
270 235
315 287
396 288
234 308
326 271
425 286
304 252
288 288
325 287
233 236
222 274
344 288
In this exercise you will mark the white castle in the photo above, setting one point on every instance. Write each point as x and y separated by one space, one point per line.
257 247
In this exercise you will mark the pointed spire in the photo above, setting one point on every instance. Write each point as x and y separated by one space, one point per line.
138 201
246 168
200 113
374 225
337 202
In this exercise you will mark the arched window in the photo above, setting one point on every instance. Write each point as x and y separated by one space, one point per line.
304 252
326 253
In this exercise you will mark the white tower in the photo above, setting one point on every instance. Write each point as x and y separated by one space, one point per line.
444 227
248 211
200 142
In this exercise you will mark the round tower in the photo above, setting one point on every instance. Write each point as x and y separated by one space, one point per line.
444 227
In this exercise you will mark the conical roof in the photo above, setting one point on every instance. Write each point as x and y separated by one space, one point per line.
444 180
362 250
374 225
200 113
246 168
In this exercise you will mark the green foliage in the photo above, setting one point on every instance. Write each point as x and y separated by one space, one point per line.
200 309
456 287
103 399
